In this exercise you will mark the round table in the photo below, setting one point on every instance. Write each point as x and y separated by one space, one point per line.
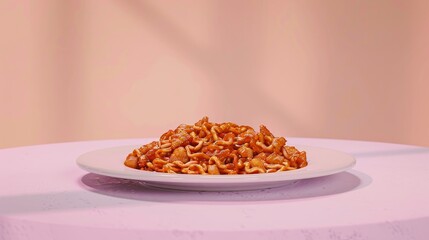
45 195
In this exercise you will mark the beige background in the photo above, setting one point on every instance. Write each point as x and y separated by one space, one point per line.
81 70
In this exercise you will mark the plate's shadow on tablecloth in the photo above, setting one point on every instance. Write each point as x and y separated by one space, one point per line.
303 189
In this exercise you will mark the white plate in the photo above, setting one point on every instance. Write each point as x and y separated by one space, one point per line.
109 162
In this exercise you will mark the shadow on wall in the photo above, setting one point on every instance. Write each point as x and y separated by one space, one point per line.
320 69
233 63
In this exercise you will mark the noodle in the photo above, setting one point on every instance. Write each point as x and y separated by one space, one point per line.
212 148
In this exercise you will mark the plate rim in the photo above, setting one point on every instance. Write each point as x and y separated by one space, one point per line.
125 172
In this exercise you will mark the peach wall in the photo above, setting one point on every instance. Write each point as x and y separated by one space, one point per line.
83 70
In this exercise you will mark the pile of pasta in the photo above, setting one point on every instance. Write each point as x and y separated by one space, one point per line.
212 148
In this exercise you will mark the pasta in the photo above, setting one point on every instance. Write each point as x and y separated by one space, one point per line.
212 148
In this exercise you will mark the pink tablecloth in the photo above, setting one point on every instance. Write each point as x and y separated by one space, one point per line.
44 195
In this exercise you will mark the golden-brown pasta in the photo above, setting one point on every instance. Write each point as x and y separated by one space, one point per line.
215 149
